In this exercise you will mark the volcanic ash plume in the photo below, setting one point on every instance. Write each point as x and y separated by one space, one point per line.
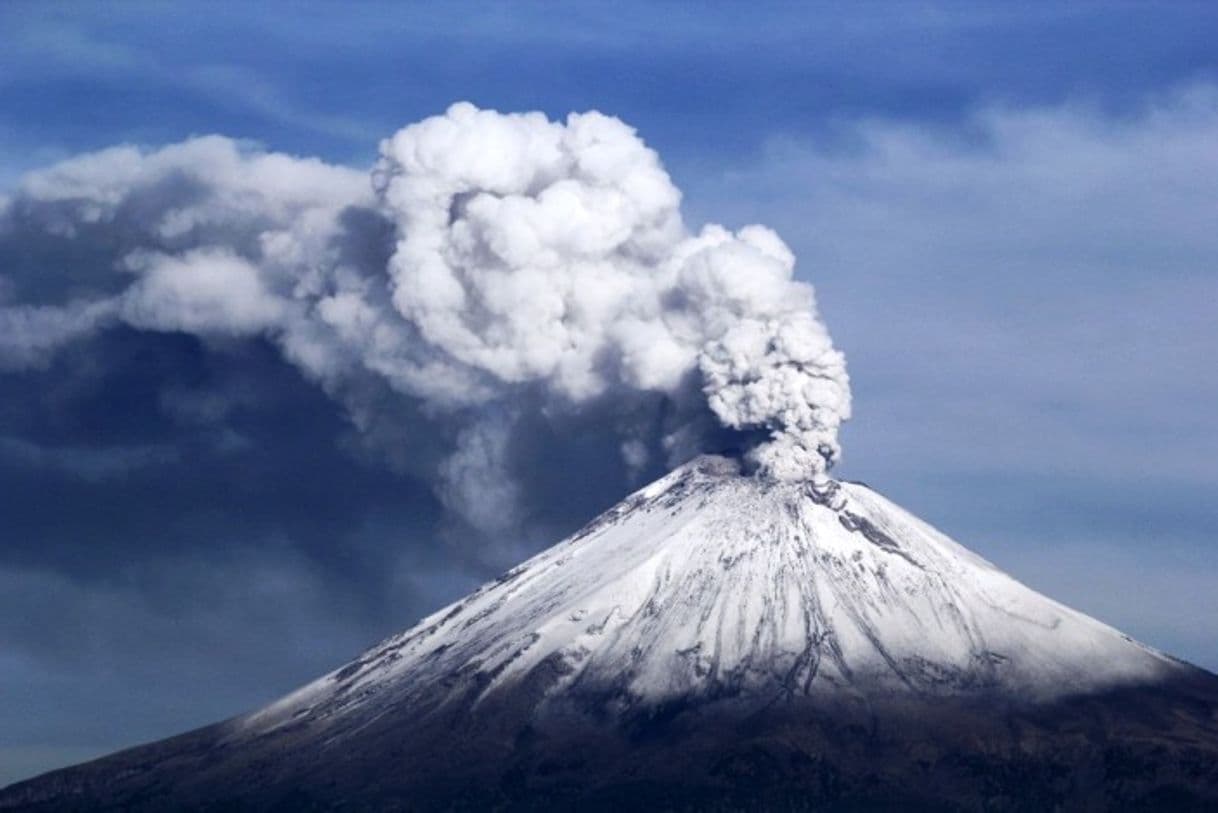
530 250
497 265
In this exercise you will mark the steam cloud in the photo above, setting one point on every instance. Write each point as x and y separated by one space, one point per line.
498 266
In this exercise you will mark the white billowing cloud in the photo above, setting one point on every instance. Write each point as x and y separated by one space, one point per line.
205 182
539 251
493 258
200 291
205 236
522 241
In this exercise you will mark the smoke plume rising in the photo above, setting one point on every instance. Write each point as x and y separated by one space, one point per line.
498 268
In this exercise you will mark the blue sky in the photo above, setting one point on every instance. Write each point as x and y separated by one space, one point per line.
1008 212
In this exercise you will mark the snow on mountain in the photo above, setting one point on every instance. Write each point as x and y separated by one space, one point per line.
710 584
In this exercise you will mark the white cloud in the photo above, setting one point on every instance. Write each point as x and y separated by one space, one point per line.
536 251
200 291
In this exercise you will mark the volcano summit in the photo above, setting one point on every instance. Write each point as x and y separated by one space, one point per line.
715 641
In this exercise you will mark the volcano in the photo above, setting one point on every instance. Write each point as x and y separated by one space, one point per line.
716 641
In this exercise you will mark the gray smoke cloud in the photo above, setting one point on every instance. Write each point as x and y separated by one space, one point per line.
497 268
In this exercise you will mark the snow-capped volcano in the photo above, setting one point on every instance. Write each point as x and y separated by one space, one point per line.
711 584
714 636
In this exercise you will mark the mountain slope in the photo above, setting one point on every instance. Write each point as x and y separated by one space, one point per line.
707 582
715 639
